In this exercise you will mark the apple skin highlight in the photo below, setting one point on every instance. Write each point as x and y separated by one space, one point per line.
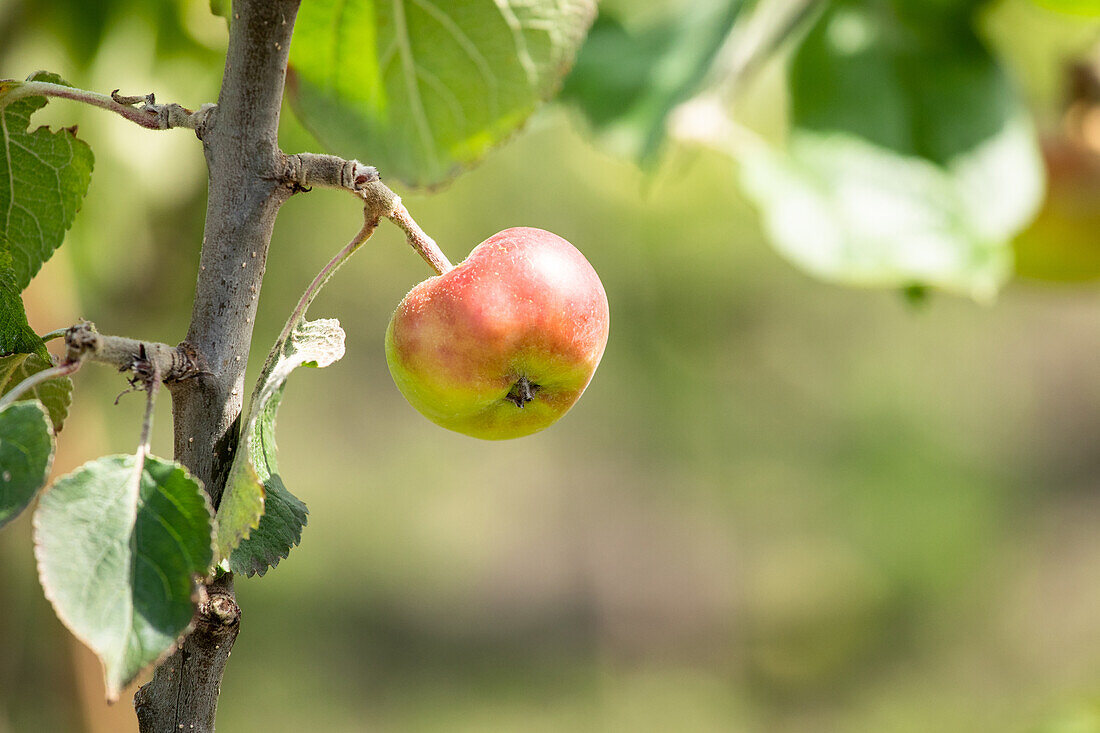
525 305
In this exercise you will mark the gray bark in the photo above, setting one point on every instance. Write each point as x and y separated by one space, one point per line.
143 358
245 190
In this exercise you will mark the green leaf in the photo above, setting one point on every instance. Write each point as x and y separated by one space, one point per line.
54 394
259 520
43 178
26 453
424 88
911 161
120 543
222 8
16 335
627 83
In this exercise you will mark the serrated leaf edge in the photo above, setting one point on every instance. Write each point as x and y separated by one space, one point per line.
253 571
112 694
274 366
14 84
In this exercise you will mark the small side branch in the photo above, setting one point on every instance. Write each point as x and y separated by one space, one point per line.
149 114
303 171
146 359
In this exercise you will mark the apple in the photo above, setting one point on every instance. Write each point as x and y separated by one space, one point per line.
503 344
1061 243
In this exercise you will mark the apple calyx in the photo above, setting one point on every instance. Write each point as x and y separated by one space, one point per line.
522 392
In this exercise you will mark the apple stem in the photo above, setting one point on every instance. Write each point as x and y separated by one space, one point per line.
424 245
378 201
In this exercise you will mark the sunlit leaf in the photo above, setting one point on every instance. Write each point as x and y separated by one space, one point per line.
424 88
26 452
44 175
259 520
910 161
120 544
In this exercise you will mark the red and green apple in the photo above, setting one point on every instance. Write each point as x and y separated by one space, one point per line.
503 344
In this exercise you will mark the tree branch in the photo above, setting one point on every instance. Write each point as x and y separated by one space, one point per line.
144 358
148 360
305 170
245 191
216 625
150 115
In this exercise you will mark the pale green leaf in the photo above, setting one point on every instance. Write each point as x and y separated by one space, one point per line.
911 160
26 452
121 543
44 175
424 88
259 520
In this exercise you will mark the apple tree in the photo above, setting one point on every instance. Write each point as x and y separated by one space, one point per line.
908 159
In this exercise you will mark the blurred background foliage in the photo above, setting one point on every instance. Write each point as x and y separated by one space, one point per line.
782 506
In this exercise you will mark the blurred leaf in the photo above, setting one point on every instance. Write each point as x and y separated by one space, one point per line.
1074 7
26 453
925 12
16 335
120 542
424 88
43 178
222 8
910 161
54 394
627 83
82 28
259 520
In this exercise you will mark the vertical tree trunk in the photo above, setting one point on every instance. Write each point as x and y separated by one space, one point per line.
244 196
